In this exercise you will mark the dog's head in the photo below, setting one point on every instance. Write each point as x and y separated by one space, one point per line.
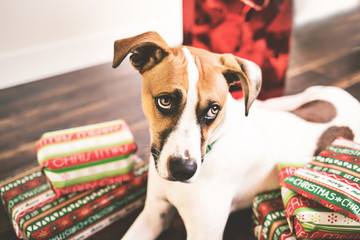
184 93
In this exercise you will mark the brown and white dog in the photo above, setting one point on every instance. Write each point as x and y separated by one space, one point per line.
185 96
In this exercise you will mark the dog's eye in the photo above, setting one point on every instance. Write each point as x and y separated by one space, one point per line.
213 112
164 102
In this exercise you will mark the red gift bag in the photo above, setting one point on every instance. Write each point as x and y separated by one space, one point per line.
258 30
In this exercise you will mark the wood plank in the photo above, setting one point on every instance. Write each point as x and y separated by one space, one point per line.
325 53
354 90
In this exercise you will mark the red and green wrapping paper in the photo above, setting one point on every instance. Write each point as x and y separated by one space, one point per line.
269 217
37 212
332 179
312 201
86 157
309 219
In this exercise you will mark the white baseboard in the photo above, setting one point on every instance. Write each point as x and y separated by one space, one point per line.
51 59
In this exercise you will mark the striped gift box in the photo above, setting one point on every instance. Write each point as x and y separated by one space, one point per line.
37 212
86 157
307 218
269 217
332 179
310 220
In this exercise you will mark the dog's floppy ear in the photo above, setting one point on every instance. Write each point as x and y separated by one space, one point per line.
148 49
246 72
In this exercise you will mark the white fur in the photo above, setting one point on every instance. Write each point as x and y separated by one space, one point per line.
187 134
242 162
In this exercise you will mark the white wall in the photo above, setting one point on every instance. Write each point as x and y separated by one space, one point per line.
41 38
308 11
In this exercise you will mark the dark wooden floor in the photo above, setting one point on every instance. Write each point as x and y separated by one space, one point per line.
326 53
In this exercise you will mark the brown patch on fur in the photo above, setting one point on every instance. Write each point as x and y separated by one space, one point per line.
212 89
164 72
148 48
317 111
330 134
166 77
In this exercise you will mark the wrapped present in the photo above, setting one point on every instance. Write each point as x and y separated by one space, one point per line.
82 158
310 220
37 212
269 217
287 169
332 179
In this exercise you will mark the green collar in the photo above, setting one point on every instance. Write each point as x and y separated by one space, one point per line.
209 147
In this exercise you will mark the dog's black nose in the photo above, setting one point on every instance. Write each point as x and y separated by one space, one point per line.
182 169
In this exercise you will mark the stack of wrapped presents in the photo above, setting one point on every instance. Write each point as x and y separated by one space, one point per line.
320 200
87 178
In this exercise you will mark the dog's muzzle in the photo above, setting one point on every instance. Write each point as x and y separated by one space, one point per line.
181 169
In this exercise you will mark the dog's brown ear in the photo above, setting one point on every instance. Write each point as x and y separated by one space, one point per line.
246 72
148 49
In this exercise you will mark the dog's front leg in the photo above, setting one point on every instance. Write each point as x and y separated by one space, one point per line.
205 218
155 218
157 213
